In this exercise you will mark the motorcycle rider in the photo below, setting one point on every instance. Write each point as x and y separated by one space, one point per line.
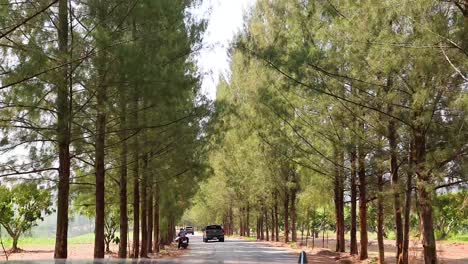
182 234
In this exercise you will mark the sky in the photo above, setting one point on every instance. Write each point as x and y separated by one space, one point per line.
225 19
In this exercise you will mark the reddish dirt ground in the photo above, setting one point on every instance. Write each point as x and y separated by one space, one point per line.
448 253
80 251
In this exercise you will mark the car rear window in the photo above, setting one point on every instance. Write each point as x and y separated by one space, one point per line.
213 227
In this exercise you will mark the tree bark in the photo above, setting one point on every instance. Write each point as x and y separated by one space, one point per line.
404 259
293 214
150 219
156 220
136 182
339 202
286 216
276 218
353 242
247 221
273 224
262 230
392 139
425 193
265 212
100 155
144 207
123 220
362 202
14 246
63 136
380 219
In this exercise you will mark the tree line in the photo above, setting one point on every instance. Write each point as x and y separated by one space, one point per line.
100 105
344 113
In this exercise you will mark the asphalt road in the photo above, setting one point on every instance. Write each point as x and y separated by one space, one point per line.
234 251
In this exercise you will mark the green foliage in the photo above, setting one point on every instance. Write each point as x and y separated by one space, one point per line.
22 207
451 214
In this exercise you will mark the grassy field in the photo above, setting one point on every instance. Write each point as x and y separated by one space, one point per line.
49 241
459 238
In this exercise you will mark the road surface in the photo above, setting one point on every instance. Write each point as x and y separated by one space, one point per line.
234 251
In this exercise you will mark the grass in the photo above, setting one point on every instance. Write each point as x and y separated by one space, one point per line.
459 238
47 241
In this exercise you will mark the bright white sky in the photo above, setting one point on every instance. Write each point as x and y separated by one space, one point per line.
225 19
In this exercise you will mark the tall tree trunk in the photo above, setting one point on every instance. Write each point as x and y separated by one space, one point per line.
63 136
273 224
241 222
425 193
362 202
156 220
353 242
247 221
150 219
262 225
276 218
392 138
380 219
265 212
339 202
136 182
100 171
404 259
144 206
293 215
231 220
258 228
286 216
123 179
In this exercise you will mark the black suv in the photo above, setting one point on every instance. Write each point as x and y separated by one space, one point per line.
213 232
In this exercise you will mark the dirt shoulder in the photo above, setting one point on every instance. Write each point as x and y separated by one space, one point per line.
448 252
82 252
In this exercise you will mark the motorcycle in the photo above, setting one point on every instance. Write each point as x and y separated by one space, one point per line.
182 242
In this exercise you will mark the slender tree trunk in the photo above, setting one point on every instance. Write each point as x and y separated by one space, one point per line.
425 194
63 136
241 222
409 186
276 218
293 215
392 138
339 203
150 219
156 220
273 224
353 242
262 230
247 221
136 182
100 155
362 202
380 219
123 179
231 220
286 217
144 207
266 225
258 228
